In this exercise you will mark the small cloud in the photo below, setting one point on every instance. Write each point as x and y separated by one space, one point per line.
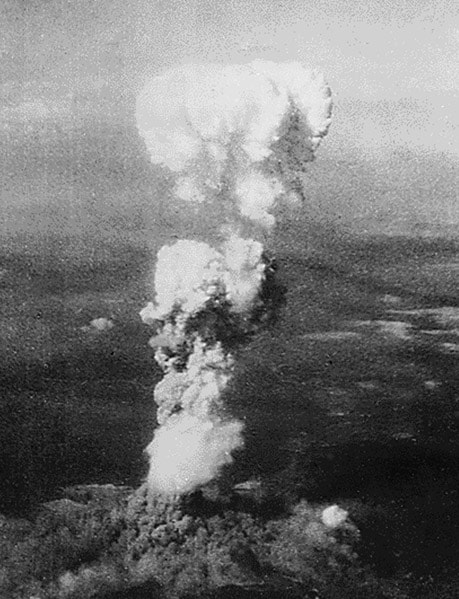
390 328
391 300
367 385
334 516
404 436
98 325
431 385
102 324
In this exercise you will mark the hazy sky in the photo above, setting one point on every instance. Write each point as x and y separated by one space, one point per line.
393 65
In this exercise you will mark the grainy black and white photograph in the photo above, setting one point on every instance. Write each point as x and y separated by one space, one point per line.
229 299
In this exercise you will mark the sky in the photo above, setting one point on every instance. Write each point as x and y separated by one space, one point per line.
71 70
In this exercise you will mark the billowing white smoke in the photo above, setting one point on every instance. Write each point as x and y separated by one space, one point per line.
236 139
189 451
221 128
189 273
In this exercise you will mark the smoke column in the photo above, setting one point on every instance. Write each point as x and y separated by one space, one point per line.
235 140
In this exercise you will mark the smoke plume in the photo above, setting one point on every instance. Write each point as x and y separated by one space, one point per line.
236 140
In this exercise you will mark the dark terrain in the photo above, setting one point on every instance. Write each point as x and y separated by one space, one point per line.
351 396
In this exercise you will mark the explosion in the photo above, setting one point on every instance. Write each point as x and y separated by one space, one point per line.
235 140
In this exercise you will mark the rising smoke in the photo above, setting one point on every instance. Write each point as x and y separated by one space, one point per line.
236 140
